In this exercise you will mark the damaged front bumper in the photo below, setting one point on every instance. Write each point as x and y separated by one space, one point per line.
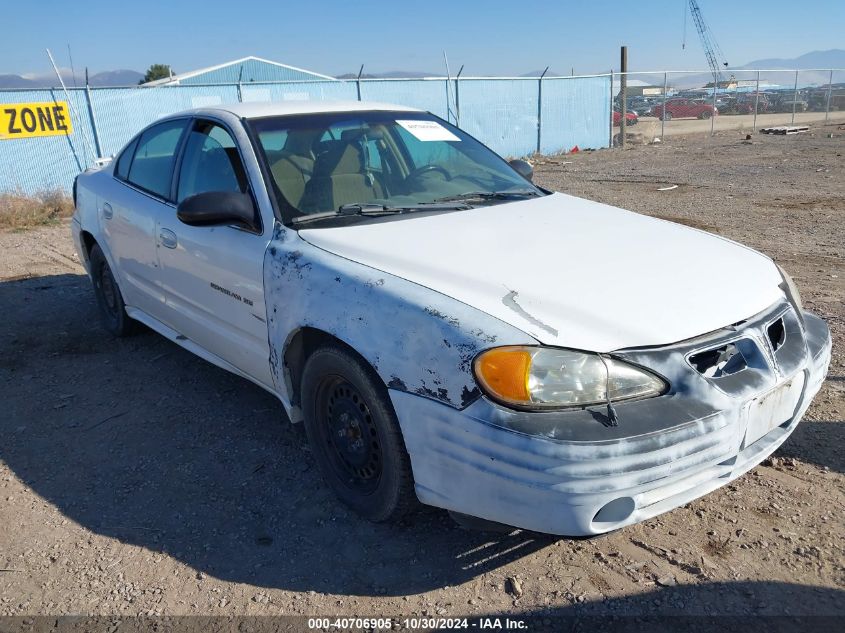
569 473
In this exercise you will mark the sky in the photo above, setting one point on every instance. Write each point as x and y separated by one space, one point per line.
489 38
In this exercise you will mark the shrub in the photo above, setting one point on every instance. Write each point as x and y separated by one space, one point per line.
22 211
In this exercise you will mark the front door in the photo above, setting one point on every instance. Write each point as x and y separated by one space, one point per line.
212 276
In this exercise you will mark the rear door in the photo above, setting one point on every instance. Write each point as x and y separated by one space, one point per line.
130 210
212 276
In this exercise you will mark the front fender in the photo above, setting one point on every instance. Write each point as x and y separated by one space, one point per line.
417 340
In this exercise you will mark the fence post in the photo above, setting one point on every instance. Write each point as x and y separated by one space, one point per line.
795 97
358 81
662 117
240 87
540 108
458 98
713 114
448 98
623 97
756 102
829 91
610 130
67 136
93 119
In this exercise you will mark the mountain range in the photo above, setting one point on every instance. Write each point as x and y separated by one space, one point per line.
106 78
834 58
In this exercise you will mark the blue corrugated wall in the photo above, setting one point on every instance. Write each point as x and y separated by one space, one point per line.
502 113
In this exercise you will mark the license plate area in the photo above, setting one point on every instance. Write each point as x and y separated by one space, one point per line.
773 409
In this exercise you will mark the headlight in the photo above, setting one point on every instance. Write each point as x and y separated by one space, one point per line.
548 378
791 291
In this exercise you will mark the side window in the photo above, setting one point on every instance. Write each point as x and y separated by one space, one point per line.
152 167
210 162
372 153
121 170
274 141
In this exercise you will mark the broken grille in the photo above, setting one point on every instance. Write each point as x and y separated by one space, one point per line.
722 361
762 345
777 334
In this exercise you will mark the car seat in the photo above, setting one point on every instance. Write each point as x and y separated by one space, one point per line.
340 177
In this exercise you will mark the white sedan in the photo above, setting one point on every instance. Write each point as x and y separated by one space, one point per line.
447 331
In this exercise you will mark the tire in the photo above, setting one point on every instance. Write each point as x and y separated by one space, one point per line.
354 435
704 115
666 116
109 300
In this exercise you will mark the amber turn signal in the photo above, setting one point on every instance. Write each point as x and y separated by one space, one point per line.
504 371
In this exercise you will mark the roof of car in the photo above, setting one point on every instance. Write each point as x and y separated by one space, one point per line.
256 110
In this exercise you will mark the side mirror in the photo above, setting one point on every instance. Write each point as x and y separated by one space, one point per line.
523 168
217 207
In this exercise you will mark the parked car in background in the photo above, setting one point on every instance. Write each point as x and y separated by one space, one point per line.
684 108
746 102
447 331
631 118
790 105
641 106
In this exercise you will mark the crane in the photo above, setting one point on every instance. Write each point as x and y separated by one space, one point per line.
715 57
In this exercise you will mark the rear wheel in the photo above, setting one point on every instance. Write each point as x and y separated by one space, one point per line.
704 115
355 436
666 116
110 301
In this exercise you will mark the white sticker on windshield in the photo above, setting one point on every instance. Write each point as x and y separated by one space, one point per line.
428 130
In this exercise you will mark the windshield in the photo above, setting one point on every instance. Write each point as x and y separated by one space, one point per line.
324 163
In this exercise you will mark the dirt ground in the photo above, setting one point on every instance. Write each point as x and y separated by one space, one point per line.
136 478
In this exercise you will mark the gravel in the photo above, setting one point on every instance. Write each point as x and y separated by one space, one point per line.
137 479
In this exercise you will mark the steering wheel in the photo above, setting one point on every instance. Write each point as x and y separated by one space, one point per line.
425 169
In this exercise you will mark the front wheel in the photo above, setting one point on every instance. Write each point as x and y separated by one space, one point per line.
666 116
355 436
110 301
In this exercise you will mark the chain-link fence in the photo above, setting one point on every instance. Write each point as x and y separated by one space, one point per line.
515 116
665 104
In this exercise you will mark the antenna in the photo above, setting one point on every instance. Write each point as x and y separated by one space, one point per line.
72 109
72 71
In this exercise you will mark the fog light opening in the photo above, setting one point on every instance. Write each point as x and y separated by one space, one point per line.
616 511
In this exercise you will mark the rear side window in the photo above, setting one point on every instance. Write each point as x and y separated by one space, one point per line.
125 160
155 154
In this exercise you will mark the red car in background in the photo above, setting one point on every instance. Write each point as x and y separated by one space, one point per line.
630 118
684 108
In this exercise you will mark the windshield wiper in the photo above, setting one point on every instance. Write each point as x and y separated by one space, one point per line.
375 209
490 195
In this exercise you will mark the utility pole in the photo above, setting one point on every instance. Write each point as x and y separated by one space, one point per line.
623 95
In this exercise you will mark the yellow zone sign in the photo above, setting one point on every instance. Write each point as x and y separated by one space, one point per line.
24 120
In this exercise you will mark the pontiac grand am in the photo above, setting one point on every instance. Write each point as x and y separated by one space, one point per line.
447 331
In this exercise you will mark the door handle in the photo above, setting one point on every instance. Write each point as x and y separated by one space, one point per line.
168 238
107 211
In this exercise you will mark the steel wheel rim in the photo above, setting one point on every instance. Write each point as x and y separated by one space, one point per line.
349 435
109 291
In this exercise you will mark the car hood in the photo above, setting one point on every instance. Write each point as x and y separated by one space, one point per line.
570 272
